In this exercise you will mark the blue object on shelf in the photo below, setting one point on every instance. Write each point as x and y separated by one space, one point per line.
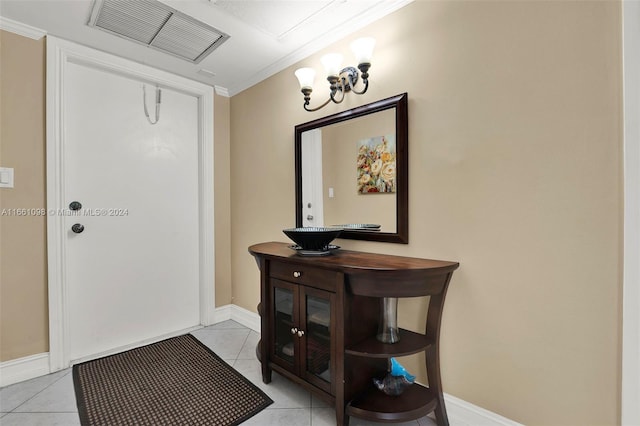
396 381
399 370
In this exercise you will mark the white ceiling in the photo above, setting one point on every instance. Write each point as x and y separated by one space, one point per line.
266 36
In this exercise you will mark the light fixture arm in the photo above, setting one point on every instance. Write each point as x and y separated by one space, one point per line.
334 88
343 81
364 73
307 99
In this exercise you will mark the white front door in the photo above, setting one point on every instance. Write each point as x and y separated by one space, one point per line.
132 270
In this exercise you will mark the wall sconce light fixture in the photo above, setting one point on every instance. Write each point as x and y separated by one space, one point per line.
340 80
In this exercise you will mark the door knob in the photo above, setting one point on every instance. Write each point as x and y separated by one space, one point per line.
300 333
309 217
75 205
77 228
294 330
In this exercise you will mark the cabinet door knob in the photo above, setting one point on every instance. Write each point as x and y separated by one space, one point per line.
300 333
297 274
294 330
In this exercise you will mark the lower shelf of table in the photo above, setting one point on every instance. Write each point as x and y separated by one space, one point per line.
415 402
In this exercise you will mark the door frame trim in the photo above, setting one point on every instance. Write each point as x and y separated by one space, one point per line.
59 53
630 299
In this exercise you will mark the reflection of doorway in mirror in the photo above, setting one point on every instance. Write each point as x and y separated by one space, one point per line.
376 163
312 202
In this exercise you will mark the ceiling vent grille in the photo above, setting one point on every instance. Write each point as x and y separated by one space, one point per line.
156 25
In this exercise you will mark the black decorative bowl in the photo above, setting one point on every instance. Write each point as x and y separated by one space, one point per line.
311 237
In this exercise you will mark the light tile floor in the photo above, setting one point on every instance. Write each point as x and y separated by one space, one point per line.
50 400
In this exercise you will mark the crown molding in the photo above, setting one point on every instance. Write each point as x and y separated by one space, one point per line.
19 28
319 44
222 91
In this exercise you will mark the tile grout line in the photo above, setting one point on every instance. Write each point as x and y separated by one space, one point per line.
242 347
38 393
243 344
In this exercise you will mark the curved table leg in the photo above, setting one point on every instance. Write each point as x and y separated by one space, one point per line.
435 383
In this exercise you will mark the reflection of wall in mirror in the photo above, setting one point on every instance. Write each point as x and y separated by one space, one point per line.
339 171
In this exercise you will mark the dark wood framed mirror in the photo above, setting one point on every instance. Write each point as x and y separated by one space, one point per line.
330 171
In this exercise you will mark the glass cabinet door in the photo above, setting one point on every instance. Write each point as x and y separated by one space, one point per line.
317 313
283 306
301 336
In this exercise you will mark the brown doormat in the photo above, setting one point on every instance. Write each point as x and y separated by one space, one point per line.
178 381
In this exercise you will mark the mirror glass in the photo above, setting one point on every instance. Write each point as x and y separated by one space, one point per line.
351 171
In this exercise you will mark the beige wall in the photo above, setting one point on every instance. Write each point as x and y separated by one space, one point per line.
23 251
23 270
515 171
339 171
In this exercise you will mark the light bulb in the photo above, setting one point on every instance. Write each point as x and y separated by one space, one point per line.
363 49
306 77
332 62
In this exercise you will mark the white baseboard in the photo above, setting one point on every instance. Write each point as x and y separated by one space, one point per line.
223 313
247 318
26 368
240 315
463 413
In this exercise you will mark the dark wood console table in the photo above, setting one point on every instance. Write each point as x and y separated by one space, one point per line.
319 319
